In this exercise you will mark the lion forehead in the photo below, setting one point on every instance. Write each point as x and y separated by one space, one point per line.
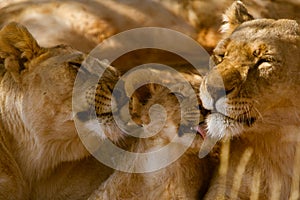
267 29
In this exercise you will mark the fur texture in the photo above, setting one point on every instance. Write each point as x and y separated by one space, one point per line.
42 156
185 178
253 91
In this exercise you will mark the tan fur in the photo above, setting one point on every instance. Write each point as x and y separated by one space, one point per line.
42 156
254 93
186 178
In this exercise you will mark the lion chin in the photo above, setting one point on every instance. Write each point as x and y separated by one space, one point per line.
252 92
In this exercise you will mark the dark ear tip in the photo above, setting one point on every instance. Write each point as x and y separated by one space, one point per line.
13 26
235 15
240 7
238 4
17 46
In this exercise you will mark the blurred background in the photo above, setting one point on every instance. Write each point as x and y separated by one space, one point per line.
83 24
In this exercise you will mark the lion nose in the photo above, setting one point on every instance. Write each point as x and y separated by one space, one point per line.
222 83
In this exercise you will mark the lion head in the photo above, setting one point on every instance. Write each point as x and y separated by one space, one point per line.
36 96
163 110
253 83
36 101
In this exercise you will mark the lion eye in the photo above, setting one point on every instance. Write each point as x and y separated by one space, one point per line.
219 57
75 64
216 59
264 60
179 96
265 69
265 65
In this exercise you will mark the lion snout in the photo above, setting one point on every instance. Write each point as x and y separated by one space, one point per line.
220 83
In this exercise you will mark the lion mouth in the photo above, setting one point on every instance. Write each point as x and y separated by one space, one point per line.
200 129
248 121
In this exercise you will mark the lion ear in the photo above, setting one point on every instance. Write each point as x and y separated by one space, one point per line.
235 15
17 46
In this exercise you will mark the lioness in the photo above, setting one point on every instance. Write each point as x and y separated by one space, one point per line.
252 91
42 156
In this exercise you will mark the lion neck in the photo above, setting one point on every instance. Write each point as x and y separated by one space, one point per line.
37 160
36 155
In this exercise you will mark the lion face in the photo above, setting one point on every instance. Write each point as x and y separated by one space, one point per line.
36 100
46 104
99 107
172 108
255 77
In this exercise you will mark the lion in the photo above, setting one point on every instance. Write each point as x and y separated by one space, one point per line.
252 91
188 176
42 156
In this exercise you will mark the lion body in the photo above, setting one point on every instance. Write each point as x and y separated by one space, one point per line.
39 158
253 90
42 156
186 177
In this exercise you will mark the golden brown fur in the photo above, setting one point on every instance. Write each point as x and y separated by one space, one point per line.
253 91
42 156
185 178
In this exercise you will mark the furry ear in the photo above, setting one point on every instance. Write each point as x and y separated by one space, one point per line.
235 15
17 46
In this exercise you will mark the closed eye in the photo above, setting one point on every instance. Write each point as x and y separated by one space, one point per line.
260 61
216 59
264 60
220 57
75 64
179 96
79 66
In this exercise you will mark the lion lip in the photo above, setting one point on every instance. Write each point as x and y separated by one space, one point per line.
200 129
249 121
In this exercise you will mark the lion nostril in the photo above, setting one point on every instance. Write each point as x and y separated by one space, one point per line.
215 84
219 92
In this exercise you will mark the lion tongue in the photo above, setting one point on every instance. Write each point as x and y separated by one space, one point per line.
201 129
